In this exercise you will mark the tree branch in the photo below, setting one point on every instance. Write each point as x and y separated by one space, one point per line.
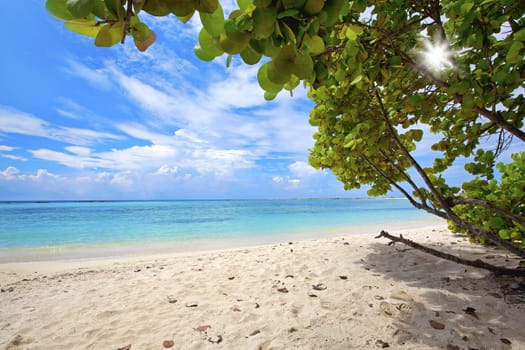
475 263
449 214
489 205
494 117
127 19
406 177
416 165
412 201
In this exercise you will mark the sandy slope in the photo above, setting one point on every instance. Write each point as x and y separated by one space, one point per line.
352 292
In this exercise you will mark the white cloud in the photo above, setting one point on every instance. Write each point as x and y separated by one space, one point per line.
171 109
220 162
240 89
4 148
209 124
228 113
189 136
10 156
73 110
286 180
277 179
302 169
69 160
122 179
9 172
80 151
17 122
166 170
41 175
95 76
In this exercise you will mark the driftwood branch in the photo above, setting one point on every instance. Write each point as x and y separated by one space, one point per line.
475 263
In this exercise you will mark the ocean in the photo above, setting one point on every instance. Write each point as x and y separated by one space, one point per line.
98 228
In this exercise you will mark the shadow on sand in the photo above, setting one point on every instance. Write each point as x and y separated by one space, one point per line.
463 307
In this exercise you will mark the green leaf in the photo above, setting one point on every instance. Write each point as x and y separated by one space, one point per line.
185 19
467 6
262 3
250 56
513 55
243 4
101 10
520 35
143 45
109 35
140 32
288 32
315 44
415 100
87 27
213 22
208 44
157 8
417 134
115 7
264 81
263 22
137 5
357 79
203 55
269 96
58 9
206 6
497 222
353 31
395 61
288 13
505 234
468 101
80 8
340 75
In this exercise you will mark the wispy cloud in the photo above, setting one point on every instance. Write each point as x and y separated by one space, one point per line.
223 126
4 148
13 157
14 121
95 76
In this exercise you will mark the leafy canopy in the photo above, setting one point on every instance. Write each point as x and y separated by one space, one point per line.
386 76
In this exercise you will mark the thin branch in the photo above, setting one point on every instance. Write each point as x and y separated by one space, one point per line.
490 206
407 178
475 263
393 183
416 165
446 207
494 117
412 201
127 19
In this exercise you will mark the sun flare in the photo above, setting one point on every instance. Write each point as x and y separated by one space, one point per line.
436 56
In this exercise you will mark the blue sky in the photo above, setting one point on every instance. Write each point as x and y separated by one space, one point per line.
81 122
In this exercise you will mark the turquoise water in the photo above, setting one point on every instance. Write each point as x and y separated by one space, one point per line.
30 225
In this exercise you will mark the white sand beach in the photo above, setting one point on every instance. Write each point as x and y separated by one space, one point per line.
351 292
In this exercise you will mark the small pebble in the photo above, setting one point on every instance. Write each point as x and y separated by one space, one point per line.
168 344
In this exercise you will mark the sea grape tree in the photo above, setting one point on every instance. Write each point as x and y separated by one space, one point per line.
387 78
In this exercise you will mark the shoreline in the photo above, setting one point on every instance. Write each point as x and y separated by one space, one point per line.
130 250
